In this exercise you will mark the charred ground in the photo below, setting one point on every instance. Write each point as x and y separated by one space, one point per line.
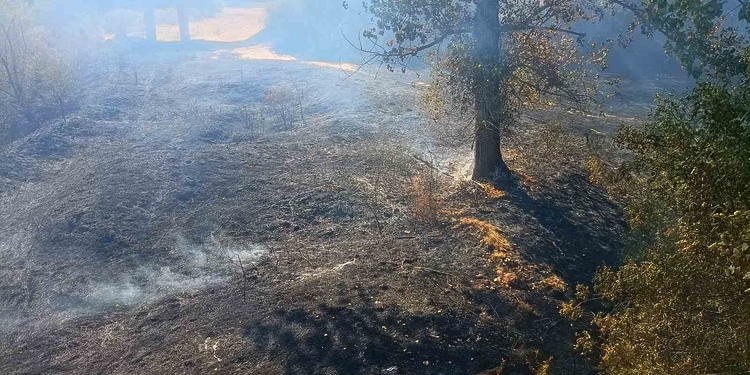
151 234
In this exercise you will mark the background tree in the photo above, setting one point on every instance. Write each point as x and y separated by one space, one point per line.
22 57
39 70
705 36
680 303
492 58
184 9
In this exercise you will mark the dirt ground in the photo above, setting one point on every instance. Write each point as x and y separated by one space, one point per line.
152 234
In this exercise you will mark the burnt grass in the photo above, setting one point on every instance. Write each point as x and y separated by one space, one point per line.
350 280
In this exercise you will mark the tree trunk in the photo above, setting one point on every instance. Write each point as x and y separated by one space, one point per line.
150 18
182 18
488 101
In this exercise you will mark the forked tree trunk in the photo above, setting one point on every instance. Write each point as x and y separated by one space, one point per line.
182 18
150 18
488 55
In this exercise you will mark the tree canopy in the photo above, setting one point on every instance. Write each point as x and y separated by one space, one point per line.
492 58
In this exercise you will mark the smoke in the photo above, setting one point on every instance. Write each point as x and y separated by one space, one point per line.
189 267
192 267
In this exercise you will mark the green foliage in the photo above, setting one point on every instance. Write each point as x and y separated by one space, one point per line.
681 304
705 36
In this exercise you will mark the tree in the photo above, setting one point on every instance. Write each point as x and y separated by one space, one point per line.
38 76
20 57
60 77
493 58
680 303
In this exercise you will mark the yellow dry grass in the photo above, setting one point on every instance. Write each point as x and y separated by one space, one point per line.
491 236
553 282
425 199
510 269
343 66
491 191
259 52
505 277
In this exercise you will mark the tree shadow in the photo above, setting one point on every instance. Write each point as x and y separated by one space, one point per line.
363 338
581 228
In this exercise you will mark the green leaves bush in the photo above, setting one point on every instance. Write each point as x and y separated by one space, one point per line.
681 303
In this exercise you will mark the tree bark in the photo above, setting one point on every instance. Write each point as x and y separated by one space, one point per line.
150 18
182 17
487 101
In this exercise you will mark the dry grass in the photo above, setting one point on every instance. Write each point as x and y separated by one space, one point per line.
553 282
266 52
505 277
257 52
425 194
511 270
343 66
491 236
491 191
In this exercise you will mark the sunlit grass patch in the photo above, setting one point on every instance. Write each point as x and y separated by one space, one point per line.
553 282
505 277
491 236
257 52
342 66
491 191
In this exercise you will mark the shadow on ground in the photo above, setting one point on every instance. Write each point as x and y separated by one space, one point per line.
367 339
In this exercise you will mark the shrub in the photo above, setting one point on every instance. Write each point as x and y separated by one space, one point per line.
254 119
36 81
680 303
280 101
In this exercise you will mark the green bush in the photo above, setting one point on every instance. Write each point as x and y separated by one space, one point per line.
680 304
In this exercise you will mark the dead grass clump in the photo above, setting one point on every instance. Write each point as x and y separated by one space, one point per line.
491 236
491 191
511 271
426 190
553 282
425 199
280 102
505 277
285 105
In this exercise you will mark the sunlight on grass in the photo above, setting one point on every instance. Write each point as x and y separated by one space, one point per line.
491 191
505 277
258 52
343 66
511 270
490 236
553 282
